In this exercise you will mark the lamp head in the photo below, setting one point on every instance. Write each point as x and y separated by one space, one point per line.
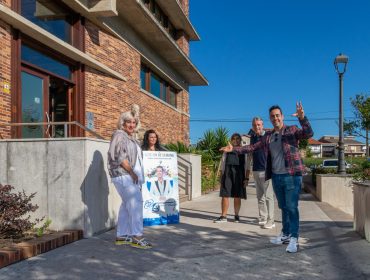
340 63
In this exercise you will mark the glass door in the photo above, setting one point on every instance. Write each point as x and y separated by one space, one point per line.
59 91
35 103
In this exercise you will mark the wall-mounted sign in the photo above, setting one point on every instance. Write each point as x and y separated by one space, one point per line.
90 120
5 86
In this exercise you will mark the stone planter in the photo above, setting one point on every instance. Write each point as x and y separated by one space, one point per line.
336 190
361 196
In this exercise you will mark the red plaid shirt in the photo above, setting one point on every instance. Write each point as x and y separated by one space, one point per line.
290 138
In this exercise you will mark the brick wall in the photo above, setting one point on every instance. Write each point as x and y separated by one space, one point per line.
107 97
185 6
5 74
6 2
183 41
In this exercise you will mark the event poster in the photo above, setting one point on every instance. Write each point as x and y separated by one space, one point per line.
160 189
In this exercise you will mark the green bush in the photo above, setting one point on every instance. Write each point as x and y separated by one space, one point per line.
320 170
41 230
15 209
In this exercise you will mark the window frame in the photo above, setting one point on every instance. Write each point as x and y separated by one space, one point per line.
165 86
76 94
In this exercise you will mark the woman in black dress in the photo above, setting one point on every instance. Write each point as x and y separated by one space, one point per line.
232 180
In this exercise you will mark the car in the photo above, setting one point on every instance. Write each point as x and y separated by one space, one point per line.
333 163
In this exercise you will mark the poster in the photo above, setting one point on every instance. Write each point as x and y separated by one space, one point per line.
160 189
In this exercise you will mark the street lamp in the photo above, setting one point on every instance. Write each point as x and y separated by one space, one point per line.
340 63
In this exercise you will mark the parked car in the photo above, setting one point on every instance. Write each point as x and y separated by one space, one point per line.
333 163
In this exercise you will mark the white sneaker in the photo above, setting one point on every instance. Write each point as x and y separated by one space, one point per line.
269 224
293 245
280 239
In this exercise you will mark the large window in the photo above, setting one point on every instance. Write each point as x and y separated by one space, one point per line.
49 15
161 17
155 85
43 61
152 83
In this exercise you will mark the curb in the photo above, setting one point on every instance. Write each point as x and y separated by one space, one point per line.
24 250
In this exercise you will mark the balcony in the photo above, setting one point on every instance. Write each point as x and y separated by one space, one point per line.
143 22
137 15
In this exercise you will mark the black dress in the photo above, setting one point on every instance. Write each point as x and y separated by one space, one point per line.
232 180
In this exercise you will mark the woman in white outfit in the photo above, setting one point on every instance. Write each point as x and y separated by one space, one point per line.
126 170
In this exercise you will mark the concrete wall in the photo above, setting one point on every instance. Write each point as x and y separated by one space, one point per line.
361 195
71 180
69 177
336 190
190 182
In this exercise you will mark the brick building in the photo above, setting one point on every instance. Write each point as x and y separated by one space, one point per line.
89 60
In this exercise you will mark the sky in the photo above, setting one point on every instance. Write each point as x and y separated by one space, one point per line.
258 53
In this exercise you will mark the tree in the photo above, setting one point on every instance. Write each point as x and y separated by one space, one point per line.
361 125
303 144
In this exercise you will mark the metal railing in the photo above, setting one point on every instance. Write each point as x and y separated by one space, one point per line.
49 124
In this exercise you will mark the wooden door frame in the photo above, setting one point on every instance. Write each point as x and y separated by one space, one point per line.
45 98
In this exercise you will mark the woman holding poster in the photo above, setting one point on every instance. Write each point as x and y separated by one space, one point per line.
126 170
151 141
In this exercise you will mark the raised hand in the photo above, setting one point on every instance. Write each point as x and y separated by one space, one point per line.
228 148
299 111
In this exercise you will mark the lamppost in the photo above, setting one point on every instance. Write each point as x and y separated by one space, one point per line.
340 63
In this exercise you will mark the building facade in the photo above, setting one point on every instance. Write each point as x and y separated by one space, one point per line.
315 147
87 61
352 147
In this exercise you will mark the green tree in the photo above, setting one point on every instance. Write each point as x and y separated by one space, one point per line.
303 144
361 125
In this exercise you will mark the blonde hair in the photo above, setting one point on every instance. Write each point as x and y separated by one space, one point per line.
129 115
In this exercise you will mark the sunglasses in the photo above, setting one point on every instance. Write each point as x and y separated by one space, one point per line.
276 137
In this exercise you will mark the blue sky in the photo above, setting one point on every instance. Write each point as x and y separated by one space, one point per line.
264 52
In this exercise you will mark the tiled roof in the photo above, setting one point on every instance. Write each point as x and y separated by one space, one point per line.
312 141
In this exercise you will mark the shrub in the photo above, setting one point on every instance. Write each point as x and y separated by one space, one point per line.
41 230
14 212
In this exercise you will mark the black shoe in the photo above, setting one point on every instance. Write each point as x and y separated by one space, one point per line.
237 219
220 219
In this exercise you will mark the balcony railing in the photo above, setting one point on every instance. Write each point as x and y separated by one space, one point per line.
48 125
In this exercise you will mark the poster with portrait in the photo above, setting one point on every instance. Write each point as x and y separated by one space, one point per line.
160 189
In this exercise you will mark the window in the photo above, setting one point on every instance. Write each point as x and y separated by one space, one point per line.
43 61
172 99
143 71
161 17
157 86
49 15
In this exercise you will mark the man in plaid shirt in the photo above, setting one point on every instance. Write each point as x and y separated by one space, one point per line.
285 167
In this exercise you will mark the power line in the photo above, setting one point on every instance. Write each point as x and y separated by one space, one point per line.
249 121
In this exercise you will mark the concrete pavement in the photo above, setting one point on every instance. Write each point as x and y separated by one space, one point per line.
197 248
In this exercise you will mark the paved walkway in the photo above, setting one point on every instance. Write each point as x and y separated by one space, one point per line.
200 249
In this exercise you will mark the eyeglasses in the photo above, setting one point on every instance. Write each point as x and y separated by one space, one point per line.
276 137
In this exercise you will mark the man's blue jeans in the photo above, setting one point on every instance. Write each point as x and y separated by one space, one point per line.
287 189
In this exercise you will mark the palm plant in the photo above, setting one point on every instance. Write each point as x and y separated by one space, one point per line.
179 147
209 147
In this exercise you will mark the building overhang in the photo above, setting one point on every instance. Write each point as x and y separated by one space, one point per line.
98 8
46 38
178 18
136 14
